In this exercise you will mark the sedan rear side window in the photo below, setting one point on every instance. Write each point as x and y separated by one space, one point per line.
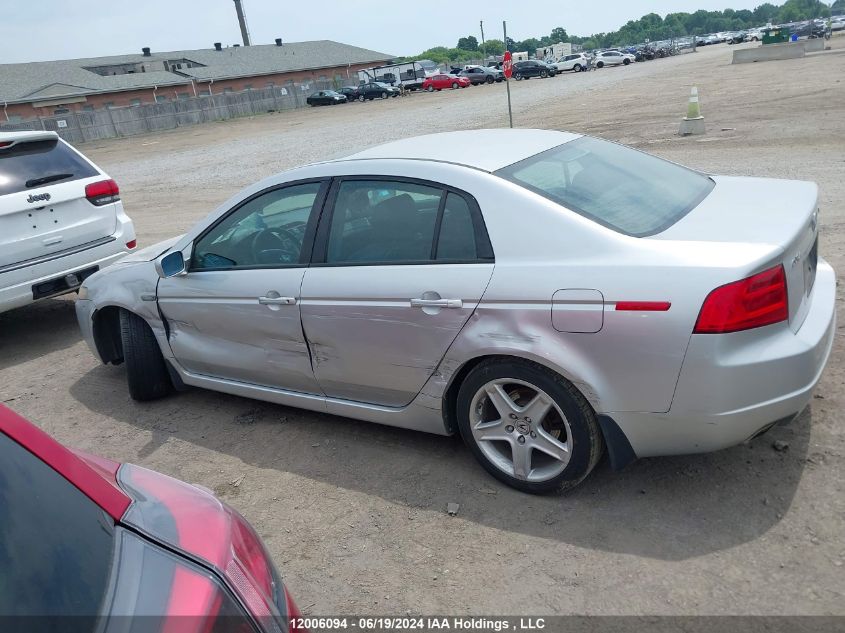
394 221
55 543
626 190
34 164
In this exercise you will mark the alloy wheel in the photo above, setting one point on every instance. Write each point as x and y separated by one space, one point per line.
520 429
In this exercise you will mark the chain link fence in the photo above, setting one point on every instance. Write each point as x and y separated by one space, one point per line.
111 122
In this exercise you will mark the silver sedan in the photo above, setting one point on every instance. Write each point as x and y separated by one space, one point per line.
548 296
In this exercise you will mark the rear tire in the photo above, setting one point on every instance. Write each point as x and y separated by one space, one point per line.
558 448
455 85
627 61
361 98
577 68
146 372
600 65
489 79
544 74
384 95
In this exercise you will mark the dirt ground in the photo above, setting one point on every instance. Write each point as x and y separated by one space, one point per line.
355 514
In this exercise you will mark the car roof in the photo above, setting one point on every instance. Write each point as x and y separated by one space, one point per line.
487 150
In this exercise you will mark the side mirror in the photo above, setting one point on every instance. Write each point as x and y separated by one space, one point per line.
171 265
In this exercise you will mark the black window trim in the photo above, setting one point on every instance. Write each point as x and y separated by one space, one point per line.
483 247
307 238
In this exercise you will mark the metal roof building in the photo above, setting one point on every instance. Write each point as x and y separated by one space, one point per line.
121 79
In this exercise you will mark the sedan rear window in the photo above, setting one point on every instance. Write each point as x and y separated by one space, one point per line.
35 164
55 543
621 188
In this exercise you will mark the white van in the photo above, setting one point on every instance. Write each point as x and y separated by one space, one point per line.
61 218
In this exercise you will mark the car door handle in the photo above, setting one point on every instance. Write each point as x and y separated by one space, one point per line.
277 301
437 303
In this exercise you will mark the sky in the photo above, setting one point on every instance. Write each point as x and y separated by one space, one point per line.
41 30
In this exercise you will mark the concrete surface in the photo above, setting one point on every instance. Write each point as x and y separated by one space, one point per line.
355 514
769 52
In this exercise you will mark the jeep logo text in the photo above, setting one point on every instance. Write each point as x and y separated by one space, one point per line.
38 197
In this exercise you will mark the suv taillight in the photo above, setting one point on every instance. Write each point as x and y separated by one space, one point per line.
103 192
742 305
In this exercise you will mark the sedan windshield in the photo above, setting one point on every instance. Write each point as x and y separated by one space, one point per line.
626 190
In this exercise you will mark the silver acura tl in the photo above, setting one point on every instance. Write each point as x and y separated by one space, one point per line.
546 295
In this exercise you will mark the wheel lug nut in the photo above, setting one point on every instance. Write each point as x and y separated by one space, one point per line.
528 420
509 428
513 416
533 434
521 439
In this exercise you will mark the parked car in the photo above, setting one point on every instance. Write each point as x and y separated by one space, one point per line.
399 287
576 62
377 90
528 68
753 35
88 541
352 93
61 218
551 68
611 58
439 82
482 75
325 97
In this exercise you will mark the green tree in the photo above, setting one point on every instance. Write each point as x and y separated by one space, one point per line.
838 6
468 43
559 34
494 47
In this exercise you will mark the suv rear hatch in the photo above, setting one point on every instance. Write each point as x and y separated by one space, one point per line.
781 213
44 210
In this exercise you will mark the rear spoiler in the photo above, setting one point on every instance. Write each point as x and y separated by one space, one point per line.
14 138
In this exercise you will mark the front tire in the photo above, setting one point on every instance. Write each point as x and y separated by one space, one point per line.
577 68
146 372
527 426
384 95
627 61
489 80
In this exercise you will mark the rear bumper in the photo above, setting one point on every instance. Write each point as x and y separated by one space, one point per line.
732 386
16 285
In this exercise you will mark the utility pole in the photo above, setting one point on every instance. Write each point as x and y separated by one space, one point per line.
239 9
483 45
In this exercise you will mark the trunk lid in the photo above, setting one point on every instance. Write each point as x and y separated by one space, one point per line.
781 213
42 219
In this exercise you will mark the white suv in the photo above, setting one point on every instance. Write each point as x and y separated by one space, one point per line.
575 61
61 218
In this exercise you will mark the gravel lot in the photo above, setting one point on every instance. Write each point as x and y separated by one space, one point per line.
354 514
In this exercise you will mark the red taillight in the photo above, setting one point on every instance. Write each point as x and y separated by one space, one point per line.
742 305
194 521
131 244
103 192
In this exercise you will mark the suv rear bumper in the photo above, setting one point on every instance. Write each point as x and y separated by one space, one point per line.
16 284
734 386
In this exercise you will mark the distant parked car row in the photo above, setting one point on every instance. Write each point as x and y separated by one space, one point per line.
364 92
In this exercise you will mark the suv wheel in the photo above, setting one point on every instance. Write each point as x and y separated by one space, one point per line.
600 65
577 68
527 426
146 372
544 74
384 95
489 79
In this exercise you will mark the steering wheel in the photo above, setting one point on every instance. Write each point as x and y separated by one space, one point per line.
285 243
